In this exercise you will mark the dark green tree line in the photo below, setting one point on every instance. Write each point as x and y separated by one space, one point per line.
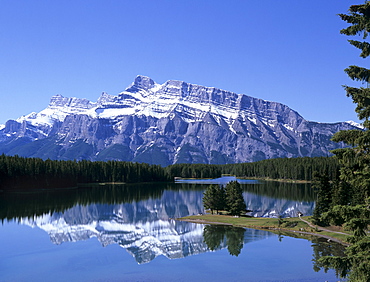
29 173
17 171
280 168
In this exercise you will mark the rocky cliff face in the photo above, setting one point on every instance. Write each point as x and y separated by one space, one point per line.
174 122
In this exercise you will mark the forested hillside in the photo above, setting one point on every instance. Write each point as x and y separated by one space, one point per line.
36 173
281 168
27 173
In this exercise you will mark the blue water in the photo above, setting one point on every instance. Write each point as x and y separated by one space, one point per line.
222 180
28 255
135 238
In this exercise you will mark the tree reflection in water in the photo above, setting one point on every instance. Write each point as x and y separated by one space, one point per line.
217 236
323 247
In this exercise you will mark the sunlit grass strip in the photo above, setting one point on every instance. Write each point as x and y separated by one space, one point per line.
293 224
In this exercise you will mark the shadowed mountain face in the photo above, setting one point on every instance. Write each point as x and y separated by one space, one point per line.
174 122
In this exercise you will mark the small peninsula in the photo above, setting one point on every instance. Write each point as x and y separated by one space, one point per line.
296 225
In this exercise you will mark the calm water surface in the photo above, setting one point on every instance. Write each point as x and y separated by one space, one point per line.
128 233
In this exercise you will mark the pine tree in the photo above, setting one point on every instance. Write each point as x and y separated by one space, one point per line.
220 199
355 161
324 197
214 198
210 198
234 198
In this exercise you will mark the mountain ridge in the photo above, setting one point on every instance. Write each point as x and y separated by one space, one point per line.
168 123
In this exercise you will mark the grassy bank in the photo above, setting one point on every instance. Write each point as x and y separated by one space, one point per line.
292 225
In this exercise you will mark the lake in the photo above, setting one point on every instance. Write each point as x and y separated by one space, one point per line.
129 233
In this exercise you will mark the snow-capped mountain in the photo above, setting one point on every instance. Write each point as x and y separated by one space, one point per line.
168 123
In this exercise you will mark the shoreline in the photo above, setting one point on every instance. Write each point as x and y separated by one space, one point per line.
277 179
199 219
249 178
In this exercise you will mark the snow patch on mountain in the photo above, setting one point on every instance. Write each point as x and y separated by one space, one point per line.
158 100
356 124
58 109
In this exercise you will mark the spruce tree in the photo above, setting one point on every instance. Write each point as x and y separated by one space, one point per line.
355 160
324 197
214 198
210 198
234 198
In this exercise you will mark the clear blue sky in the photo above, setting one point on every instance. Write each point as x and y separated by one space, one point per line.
286 51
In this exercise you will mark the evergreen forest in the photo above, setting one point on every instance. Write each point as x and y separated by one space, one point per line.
34 173
28 173
280 168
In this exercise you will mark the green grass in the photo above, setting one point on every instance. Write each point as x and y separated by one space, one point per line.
271 224
252 222
340 237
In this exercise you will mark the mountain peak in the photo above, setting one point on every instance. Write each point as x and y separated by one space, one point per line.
56 100
141 82
173 122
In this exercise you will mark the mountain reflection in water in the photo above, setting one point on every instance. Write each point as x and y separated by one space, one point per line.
140 217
